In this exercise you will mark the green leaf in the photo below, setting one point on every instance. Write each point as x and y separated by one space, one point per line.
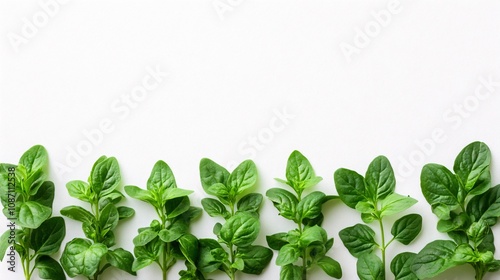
472 167
380 181
358 239
464 254
299 172
34 159
434 258
81 257
212 173
406 228
121 259
290 271
79 189
310 206
313 235
125 212
48 268
4 243
177 206
207 263
370 267
238 264
439 185
488 243
105 176
486 206
77 213
214 208
288 254
32 214
396 203
250 203
138 193
191 214
108 219
455 223
141 262
47 239
161 177
174 231
276 241
45 194
478 231
173 193
241 229
243 177
113 197
145 237
401 266
330 267
350 186
284 201
255 258
189 247
221 191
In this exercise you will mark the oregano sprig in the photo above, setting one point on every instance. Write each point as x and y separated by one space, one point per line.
92 255
308 243
374 197
467 207
167 239
27 199
241 220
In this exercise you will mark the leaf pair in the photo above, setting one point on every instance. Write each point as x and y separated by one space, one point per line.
27 200
374 197
467 207
168 239
309 242
241 215
85 256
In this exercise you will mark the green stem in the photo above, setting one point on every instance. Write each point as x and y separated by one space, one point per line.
231 269
480 271
384 246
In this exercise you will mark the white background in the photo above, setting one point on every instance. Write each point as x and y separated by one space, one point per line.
232 72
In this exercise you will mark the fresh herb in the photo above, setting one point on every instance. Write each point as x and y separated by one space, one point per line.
168 239
92 256
309 241
27 199
467 208
241 227
374 197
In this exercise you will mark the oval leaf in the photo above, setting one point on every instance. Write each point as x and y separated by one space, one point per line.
358 239
407 228
241 229
379 179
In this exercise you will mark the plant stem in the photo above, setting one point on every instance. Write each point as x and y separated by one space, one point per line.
231 269
383 247
480 271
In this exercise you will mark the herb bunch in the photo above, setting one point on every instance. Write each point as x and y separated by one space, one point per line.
27 202
374 197
241 220
467 207
309 241
168 239
92 255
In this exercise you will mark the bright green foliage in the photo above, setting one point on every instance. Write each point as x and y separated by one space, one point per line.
308 243
92 255
27 199
374 197
167 239
467 208
241 216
